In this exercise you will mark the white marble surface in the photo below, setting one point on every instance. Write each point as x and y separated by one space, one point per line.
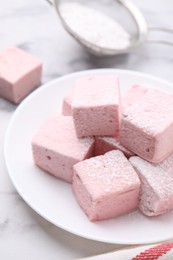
34 26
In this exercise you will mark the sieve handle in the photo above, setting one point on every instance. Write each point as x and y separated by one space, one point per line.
160 29
50 2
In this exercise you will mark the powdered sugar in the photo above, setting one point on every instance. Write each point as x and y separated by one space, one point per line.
153 113
96 91
94 27
159 177
111 171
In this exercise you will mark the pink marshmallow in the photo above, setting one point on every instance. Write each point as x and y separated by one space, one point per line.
147 126
106 186
20 74
104 144
67 104
156 185
56 147
95 105
132 95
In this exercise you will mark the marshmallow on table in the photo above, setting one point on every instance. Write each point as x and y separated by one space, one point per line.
104 144
20 73
156 185
95 105
147 126
67 104
56 147
132 95
106 186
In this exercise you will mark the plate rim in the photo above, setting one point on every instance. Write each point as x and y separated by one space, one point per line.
25 101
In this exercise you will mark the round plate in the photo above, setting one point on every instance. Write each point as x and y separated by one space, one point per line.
52 198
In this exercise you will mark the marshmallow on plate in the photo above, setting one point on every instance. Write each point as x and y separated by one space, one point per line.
56 147
96 105
156 185
106 186
147 126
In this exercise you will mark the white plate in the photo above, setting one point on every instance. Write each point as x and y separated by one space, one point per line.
53 198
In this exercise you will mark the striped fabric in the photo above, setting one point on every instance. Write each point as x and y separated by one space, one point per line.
155 252
150 252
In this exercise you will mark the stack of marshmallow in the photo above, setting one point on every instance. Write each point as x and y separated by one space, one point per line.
116 151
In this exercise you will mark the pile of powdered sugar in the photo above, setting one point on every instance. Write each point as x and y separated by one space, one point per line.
94 27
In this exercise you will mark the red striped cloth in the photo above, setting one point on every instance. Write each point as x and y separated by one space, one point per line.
149 252
155 252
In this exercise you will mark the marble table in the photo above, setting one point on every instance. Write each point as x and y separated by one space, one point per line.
34 26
